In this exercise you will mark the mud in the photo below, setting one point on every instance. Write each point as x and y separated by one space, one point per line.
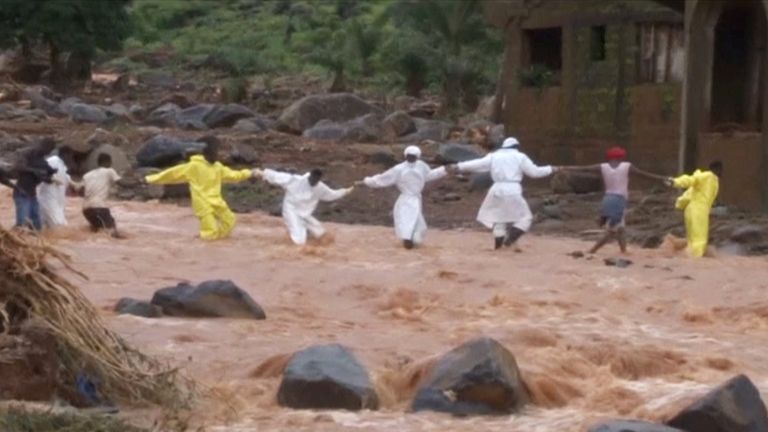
592 341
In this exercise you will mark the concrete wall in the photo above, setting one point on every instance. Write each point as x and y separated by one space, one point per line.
740 184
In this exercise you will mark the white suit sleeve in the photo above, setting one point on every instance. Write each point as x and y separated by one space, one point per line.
328 194
436 174
532 170
478 165
385 179
278 178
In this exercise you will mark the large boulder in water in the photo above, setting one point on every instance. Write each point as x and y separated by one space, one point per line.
631 426
478 377
326 377
216 298
734 406
336 107
451 153
227 115
162 151
129 306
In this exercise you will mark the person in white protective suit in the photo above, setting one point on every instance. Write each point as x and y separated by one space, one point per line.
53 196
302 194
409 177
504 209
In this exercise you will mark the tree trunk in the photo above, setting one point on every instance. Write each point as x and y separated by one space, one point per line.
414 85
79 66
339 81
56 76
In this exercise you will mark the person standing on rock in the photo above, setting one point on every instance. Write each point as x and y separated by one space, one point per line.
96 185
205 175
53 196
31 172
409 177
615 173
302 194
696 203
504 209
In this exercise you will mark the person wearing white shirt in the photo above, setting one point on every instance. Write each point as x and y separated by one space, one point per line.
504 209
409 177
302 194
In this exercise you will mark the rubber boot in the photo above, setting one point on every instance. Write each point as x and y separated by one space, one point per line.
499 242
513 234
408 244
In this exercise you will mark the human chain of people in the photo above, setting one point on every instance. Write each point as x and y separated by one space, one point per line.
40 191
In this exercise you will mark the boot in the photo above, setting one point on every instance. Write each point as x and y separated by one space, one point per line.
499 242
513 234
408 244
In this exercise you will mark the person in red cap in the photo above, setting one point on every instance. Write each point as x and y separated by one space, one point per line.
615 174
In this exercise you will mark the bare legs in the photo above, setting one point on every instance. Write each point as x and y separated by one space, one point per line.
618 233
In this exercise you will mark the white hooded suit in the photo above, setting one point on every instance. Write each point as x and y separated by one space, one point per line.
53 196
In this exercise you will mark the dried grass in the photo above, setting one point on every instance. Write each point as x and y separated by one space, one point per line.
30 287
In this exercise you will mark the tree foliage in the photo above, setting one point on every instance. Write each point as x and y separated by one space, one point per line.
77 27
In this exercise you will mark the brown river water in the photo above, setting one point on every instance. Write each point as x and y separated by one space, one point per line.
592 341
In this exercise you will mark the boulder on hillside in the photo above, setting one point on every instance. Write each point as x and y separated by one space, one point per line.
194 117
478 377
129 306
227 115
164 115
434 130
398 124
576 182
734 406
84 113
326 377
10 112
117 110
66 105
215 299
242 154
40 101
631 426
336 107
120 161
363 129
451 153
163 151
254 125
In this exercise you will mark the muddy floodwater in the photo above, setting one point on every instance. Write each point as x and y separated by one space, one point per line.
592 341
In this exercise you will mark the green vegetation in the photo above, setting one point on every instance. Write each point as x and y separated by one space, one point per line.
389 46
29 421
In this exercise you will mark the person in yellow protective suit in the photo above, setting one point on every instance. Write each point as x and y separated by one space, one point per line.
205 176
696 202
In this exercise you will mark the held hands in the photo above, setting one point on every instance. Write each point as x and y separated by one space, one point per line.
358 183
257 173
349 190
669 181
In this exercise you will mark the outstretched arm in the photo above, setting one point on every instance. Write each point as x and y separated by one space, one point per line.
228 175
684 181
328 194
5 180
174 175
477 165
634 170
437 174
277 178
581 167
385 179
534 171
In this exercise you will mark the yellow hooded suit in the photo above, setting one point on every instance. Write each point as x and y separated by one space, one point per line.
696 202
205 179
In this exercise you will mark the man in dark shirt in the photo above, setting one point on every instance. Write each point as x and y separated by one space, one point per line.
32 171
5 179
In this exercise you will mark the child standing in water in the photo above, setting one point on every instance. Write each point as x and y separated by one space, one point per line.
615 172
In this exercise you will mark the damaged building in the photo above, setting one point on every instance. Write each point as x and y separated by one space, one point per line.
676 82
